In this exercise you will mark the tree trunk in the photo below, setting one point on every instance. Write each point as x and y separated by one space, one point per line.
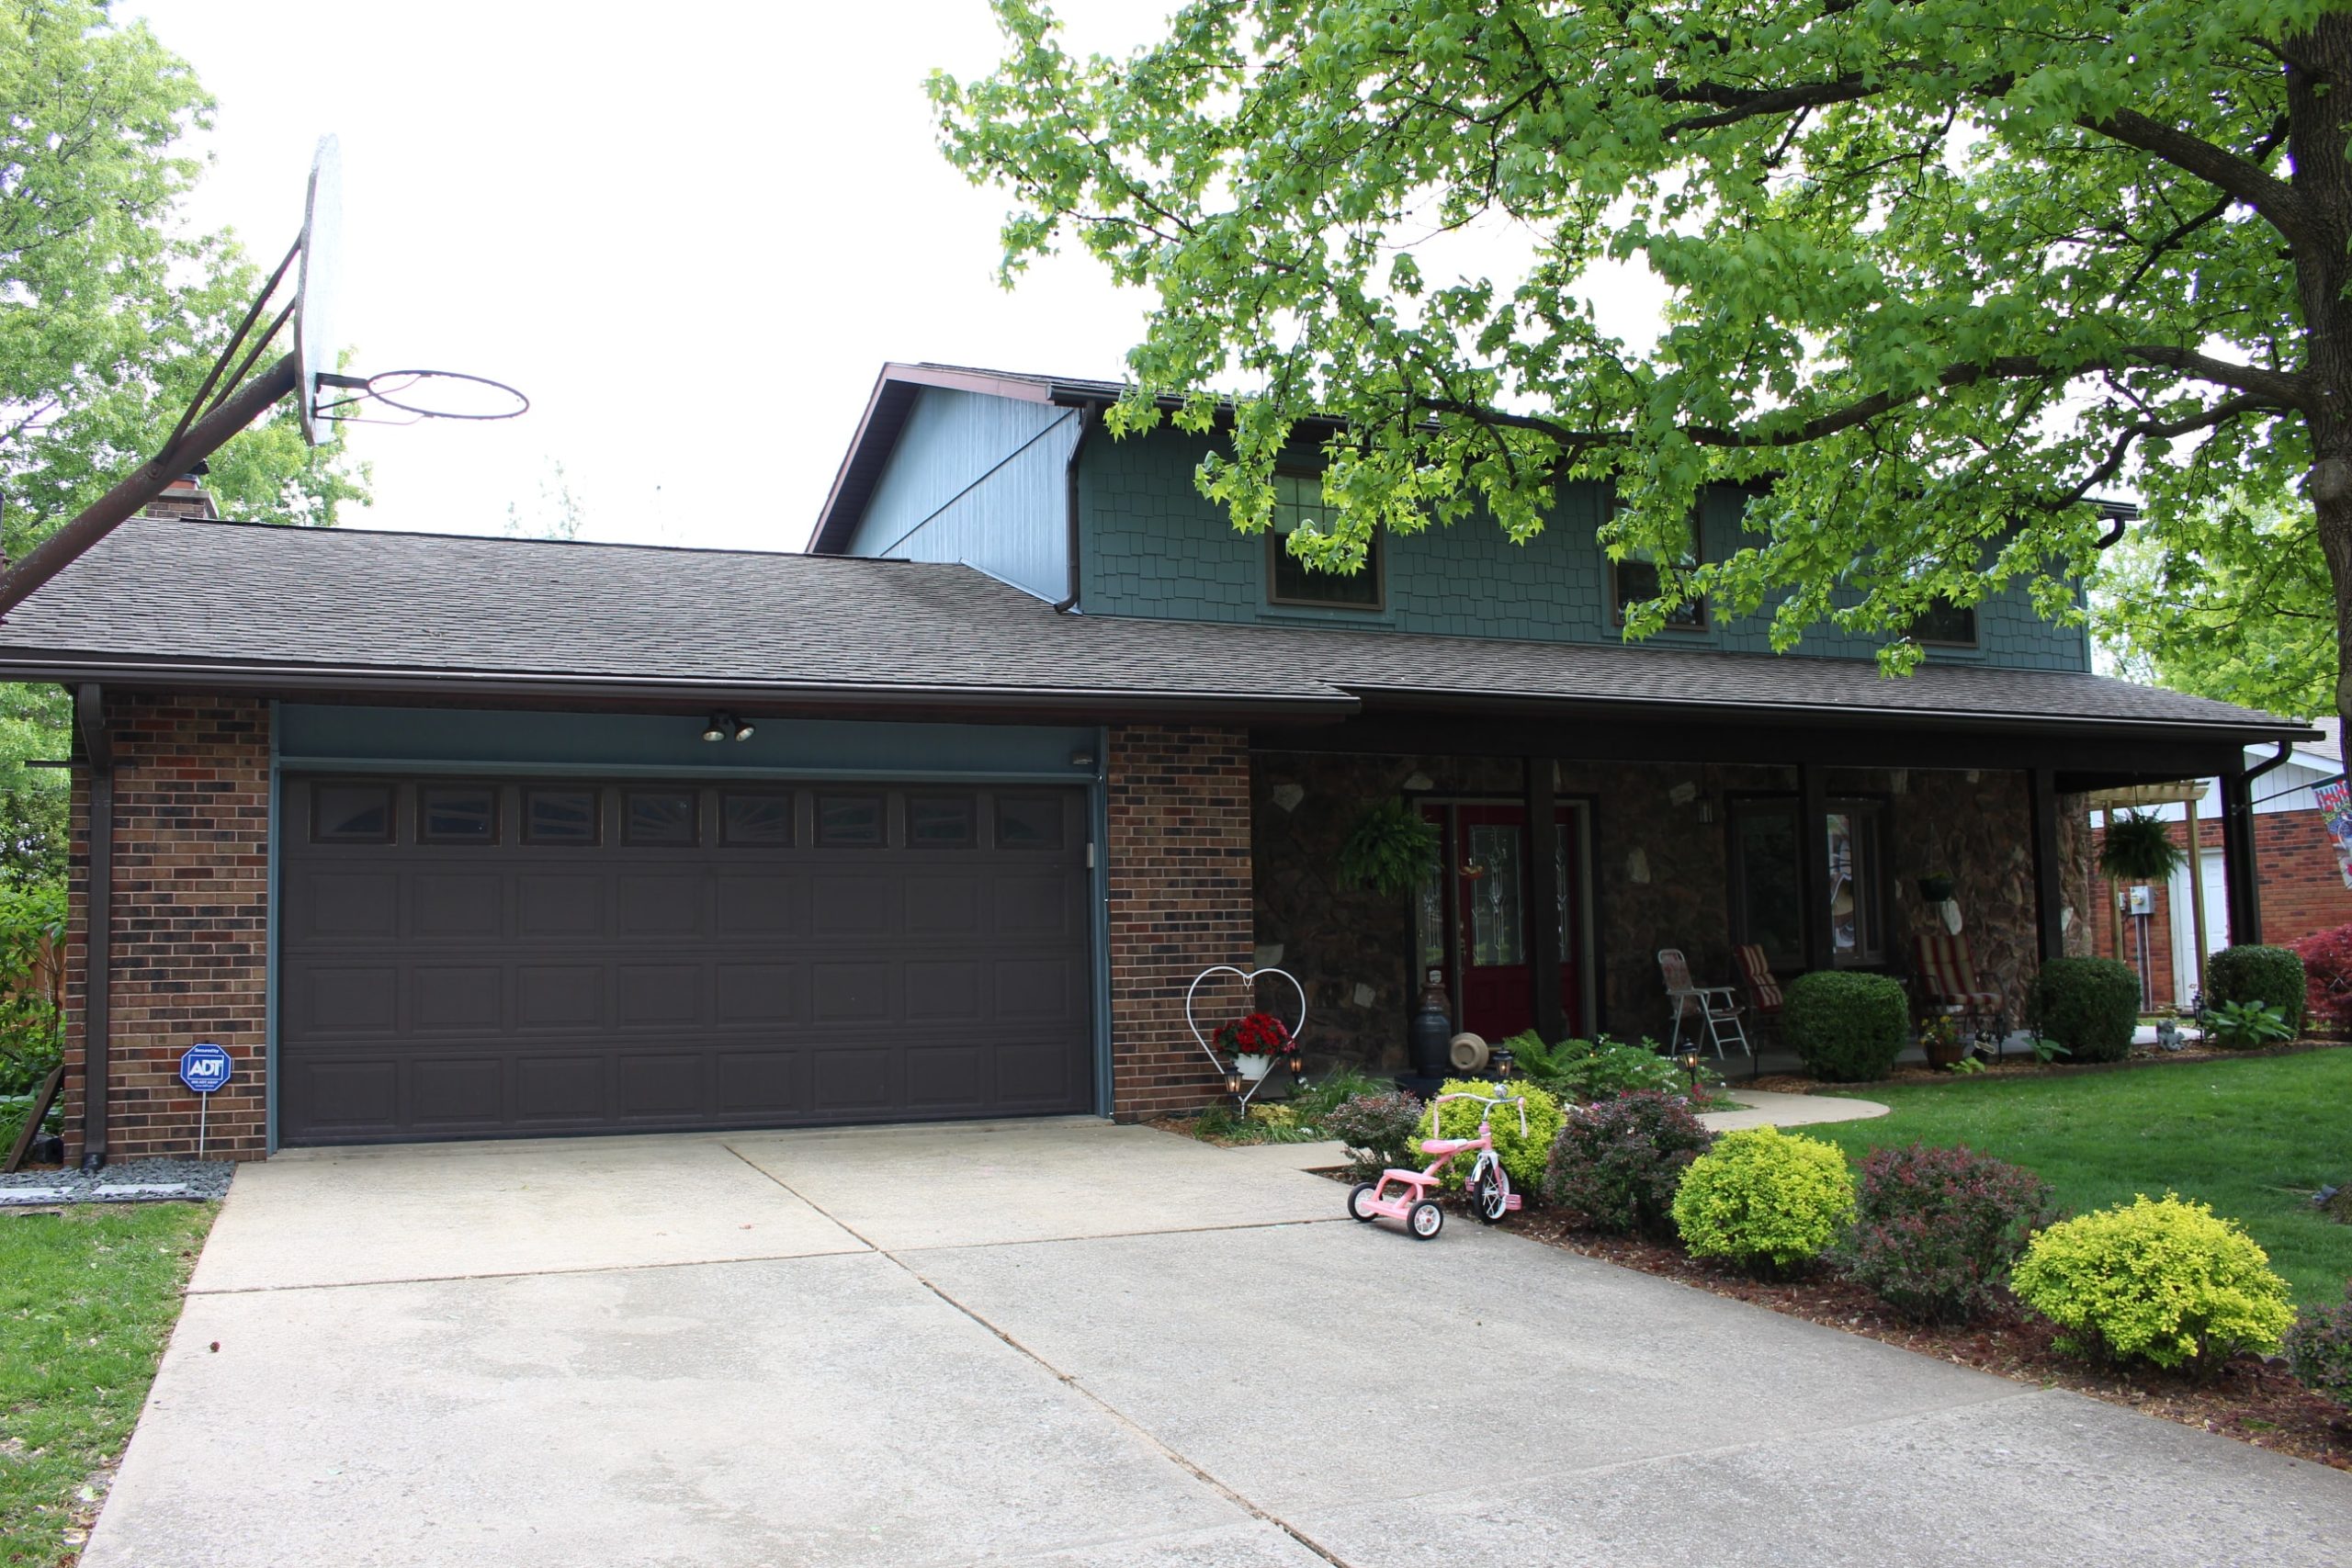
2319 119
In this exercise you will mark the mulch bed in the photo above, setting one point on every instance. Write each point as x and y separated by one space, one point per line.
2248 1398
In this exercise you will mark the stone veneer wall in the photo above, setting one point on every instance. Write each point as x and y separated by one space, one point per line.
190 924
1659 877
1177 802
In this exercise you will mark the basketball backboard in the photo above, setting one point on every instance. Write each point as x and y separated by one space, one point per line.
315 307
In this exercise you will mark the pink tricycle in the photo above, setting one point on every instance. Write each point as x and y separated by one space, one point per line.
1404 1194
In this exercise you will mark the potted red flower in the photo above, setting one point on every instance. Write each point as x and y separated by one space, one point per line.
1255 1041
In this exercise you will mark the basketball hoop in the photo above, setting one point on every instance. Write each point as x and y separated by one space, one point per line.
420 394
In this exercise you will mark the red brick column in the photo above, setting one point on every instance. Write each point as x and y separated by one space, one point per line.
191 923
1177 804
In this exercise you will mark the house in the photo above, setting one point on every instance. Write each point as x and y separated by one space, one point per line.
455 837
2302 888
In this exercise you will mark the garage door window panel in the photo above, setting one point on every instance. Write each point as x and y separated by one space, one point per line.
759 819
943 821
564 818
351 814
1028 822
462 814
659 819
851 823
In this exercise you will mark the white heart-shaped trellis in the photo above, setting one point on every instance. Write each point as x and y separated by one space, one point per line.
1249 978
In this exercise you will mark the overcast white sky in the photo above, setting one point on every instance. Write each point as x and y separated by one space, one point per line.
693 236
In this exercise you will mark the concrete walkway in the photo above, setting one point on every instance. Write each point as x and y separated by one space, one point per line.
1071 1344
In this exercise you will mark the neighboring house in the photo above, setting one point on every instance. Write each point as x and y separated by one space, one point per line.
451 837
2302 888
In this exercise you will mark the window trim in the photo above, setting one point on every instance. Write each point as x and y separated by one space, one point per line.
1975 642
1704 620
1277 547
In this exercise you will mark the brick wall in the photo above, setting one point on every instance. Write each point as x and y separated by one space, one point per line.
190 923
1178 807
2303 892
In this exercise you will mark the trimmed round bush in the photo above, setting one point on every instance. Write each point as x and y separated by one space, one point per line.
1938 1230
1847 1027
1522 1154
2088 1005
1378 1128
1615 1166
2167 1282
2320 1349
2272 976
1765 1199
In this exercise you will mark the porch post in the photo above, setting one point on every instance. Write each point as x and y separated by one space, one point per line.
2049 874
2241 880
1542 886
1813 867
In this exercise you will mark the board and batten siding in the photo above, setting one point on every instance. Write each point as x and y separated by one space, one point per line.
981 481
1152 545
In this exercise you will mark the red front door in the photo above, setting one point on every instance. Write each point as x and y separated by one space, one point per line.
1489 968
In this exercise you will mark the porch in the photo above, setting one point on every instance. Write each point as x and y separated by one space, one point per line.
1564 869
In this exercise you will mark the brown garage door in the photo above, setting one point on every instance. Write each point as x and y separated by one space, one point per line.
461 958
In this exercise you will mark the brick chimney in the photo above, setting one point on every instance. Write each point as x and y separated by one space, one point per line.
186 497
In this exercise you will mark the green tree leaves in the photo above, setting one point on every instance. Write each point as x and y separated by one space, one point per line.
1940 272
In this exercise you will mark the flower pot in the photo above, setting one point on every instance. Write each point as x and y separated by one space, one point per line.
1936 889
1252 1066
1943 1053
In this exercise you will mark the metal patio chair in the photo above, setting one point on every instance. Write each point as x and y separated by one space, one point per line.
1712 1009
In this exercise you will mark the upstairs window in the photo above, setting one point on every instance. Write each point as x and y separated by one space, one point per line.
1946 624
1299 503
1635 579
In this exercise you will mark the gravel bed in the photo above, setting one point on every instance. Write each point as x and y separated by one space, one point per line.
132 1181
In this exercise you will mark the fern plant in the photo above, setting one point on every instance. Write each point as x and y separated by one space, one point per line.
2138 848
1391 850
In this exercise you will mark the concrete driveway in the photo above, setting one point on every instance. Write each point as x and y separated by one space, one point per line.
1067 1343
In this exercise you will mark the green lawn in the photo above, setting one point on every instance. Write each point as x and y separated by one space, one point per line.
2252 1138
87 1299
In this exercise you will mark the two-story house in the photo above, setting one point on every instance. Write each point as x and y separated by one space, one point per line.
455 837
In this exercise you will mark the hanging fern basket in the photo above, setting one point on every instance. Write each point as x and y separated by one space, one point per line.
1390 850
2138 848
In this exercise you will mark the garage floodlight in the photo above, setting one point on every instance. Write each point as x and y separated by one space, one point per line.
716 729
743 729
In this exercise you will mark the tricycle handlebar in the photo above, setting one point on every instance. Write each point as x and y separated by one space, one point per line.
1436 1126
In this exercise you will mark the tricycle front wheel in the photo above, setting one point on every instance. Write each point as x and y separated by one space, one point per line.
1491 1193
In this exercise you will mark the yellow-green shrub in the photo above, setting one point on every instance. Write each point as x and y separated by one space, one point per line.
1522 1154
1764 1197
2166 1282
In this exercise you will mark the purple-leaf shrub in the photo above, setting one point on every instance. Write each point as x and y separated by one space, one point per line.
2327 975
1379 1130
1936 1230
1616 1163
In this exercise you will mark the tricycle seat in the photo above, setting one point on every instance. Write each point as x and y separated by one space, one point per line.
1447 1145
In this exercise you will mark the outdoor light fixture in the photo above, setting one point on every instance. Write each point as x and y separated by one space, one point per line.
1298 1064
1233 1079
723 725
1500 1060
1691 1066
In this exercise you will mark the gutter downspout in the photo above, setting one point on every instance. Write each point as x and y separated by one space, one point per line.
97 1031
2241 878
1088 416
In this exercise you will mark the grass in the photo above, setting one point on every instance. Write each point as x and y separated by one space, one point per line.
2254 1138
87 1299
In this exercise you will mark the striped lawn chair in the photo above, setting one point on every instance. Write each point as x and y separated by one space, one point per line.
1763 987
1948 982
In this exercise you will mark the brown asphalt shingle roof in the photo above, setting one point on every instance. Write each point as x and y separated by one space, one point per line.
239 602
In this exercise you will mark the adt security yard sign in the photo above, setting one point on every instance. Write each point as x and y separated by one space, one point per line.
203 1068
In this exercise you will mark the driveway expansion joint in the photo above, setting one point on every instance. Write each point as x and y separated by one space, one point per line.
1071 1380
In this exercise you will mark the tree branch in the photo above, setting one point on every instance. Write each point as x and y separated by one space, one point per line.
2243 178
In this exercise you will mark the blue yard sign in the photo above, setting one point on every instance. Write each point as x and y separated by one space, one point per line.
204 1068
